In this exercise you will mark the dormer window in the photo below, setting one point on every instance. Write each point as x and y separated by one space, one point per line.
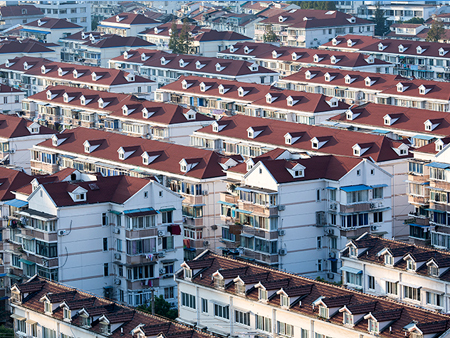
323 312
387 121
250 133
373 326
308 75
187 273
219 282
327 77
298 173
221 89
410 265
347 318
83 101
356 151
121 155
401 48
105 328
284 301
66 98
240 288
247 50
87 148
215 128
67 314
433 270
183 168
367 81
420 50
47 307
85 321
144 57
388 260
352 251
262 294
381 47
288 140
316 58
315 145
442 51
79 197
348 79
49 95
100 103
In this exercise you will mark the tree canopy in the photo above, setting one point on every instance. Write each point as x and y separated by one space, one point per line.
180 41
269 35
324 5
162 308
436 32
415 20
380 21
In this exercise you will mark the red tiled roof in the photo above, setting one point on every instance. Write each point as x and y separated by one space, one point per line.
163 30
213 35
360 41
8 89
12 126
52 23
340 142
11 180
130 19
168 161
22 10
119 41
27 47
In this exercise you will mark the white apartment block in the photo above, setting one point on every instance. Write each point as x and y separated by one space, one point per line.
397 11
11 99
49 30
126 24
13 15
231 297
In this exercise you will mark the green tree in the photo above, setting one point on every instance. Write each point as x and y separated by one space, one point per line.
94 23
324 5
415 21
162 308
185 38
380 21
436 32
269 35
6 332
174 38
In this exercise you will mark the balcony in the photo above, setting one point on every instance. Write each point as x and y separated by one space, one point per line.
354 232
358 207
248 230
141 284
192 200
48 168
440 206
141 233
226 197
193 222
267 211
261 257
416 199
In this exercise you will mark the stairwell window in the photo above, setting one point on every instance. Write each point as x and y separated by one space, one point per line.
222 311
242 317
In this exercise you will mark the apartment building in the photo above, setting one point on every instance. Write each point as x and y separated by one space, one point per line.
405 123
96 49
49 30
11 99
118 234
17 136
237 22
398 11
401 271
196 174
33 75
13 15
10 49
260 7
165 68
408 31
70 108
251 137
77 12
223 97
363 87
232 297
311 28
160 35
126 24
86 315
289 60
259 217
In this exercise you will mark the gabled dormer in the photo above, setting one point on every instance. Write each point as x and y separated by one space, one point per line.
126 110
439 144
190 115
253 132
352 249
351 115
219 281
291 138
187 271
50 95
270 98
45 70
351 43
401 87
318 58
368 81
282 18
16 295
253 67
9 63
295 56
217 126
349 79
102 103
432 124
183 63
91 145
157 30
126 152
390 119
318 142
233 49
285 301
297 171
421 49
62 72
402 48
425 89
149 157
443 51
199 65
242 92
413 331
388 257
239 286
292 101
433 268
147 113
223 89
360 148
78 194
275 54
335 41
130 77
144 57
370 59
352 19
382 47
96 76
335 59
77 73
401 150
185 84
34 128
205 86
329 76
333 102
164 61
67 313
187 164
411 264
309 75
86 319
127 55
219 67
247 50
57 139
263 294
105 325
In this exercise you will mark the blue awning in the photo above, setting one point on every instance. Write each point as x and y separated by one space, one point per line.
34 31
243 189
16 203
438 165
358 187
380 131
419 225
435 210
332 259
351 270
243 211
2 275
140 212
424 137
26 262
331 188
227 203
379 186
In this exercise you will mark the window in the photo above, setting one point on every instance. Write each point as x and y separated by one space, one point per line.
284 301
104 219
352 251
187 273
391 288
167 243
319 242
434 299
219 282
410 265
106 269
378 217
67 313
416 168
86 321
105 244
411 293
373 326
347 318
433 271
357 196
188 300
353 278
388 259
141 246
105 328
141 272
222 311
242 317
304 333
166 216
318 195
285 329
263 323
262 293
371 282
169 292
377 193
204 305
47 333
323 312
21 326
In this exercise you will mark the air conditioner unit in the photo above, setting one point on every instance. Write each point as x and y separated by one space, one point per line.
205 243
117 256
332 254
205 193
61 232
282 252
116 230
117 281
330 232
162 271
330 275
44 262
373 228
281 207
281 232
161 254
333 206
372 205
160 233
12 151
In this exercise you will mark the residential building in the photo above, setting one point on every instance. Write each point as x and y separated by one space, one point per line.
252 136
70 108
260 7
11 99
408 31
14 15
126 24
165 68
196 174
398 11
259 217
405 123
230 97
362 87
400 271
289 60
34 75
80 307
237 22
96 49
349 42
49 29
232 297
160 35
419 59
11 48
17 136
116 234
311 28
77 12
101 10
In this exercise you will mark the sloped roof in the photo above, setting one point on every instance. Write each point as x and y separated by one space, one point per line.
28 47
52 23
214 35
10 181
12 126
130 19
19 10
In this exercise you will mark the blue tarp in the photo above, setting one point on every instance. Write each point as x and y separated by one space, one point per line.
359 187
16 203
438 165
